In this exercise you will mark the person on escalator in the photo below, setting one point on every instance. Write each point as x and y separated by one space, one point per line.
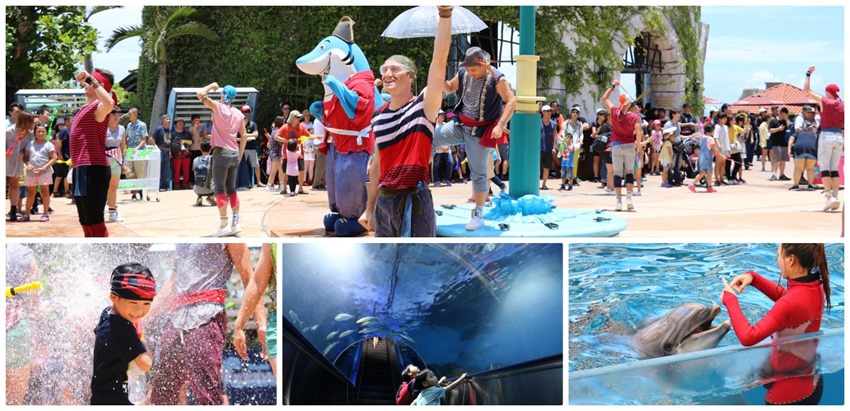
406 392
430 391
797 310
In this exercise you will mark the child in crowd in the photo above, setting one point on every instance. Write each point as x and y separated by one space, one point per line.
657 138
567 153
430 391
406 392
201 168
723 149
292 154
707 148
666 158
117 341
39 158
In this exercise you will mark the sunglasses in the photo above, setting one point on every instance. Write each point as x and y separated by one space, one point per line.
394 69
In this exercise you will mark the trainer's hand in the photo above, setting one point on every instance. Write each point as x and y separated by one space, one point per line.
82 76
811 69
741 281
445 11
616 83
726 288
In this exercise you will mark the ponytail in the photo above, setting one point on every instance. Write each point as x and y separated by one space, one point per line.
812 257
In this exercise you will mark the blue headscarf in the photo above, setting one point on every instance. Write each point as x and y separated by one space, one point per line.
228 93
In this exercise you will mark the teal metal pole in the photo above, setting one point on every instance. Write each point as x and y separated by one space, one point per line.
525 124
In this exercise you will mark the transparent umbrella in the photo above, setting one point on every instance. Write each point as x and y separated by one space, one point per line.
422 22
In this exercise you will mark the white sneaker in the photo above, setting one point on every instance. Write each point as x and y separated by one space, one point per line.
114 217
619 206
836 203
629 204
270 187
610 192
221 232
830 203
235 228
477 221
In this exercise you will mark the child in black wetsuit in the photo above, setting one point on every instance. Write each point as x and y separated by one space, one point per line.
117 341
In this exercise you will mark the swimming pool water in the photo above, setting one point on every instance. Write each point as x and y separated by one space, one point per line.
613 288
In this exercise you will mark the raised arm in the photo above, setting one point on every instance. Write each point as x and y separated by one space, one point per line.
202 95
807 86
606 98
106 104
437 72
252 298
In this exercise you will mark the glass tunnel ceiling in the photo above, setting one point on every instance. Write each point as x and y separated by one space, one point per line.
470 307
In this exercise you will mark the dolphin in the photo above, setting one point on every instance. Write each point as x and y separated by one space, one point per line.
686 328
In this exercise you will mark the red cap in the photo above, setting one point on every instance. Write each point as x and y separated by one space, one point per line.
246 108
832 88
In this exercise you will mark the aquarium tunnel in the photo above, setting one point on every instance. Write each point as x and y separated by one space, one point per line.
354 315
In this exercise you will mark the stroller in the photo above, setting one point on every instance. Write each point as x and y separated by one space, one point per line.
682 153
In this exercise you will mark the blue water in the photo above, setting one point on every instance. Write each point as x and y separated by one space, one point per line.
461 307
613 288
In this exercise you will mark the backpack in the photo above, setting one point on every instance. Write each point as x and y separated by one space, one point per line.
406 393
599 143
202 170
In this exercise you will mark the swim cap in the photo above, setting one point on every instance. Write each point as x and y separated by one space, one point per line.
228 93
134 282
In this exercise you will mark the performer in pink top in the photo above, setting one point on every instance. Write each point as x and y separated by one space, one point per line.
227 125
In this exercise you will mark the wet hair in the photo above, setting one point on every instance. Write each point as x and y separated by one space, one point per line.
205 146
292 145
421 379
25 121
279 121
812 257
708 128
405 374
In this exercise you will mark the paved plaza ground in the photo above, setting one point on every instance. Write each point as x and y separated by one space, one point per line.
759 209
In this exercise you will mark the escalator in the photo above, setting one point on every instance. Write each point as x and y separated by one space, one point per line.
375 385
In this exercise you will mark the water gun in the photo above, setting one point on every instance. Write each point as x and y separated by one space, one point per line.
50 124
13 291
15 144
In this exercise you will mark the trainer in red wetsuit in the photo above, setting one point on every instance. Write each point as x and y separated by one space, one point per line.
797 310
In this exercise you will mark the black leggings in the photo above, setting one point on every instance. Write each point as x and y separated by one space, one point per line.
736 166
95 187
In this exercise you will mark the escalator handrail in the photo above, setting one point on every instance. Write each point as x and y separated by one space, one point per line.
296 338
555 361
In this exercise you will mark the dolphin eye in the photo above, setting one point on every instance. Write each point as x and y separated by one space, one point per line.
667 347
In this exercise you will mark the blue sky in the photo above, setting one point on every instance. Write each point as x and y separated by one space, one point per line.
747 46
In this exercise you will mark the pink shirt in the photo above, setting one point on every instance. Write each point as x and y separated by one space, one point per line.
227 121
291 162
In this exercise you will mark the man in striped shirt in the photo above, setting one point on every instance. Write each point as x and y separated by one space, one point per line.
404 132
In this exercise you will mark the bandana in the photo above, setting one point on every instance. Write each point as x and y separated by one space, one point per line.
134 286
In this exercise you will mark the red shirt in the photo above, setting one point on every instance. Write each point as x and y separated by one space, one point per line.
404 142
362 83
88 138
623 127
292 133
832 115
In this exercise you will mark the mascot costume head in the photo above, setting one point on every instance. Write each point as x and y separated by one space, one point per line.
349 102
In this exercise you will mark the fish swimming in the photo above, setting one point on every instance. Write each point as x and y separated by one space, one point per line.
329 347
332 335
294 317
686 328
369 330
365 319
346 334
343 317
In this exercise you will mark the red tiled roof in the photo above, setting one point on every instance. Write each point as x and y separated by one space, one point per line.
792 96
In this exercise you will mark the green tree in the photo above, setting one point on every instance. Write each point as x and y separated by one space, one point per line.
88 12
44 46
170 23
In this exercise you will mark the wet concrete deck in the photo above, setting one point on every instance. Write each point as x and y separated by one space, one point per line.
758 210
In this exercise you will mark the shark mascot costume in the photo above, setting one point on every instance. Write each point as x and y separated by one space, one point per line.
351 98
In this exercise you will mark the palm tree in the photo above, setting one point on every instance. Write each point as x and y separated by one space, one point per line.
88 12
168 25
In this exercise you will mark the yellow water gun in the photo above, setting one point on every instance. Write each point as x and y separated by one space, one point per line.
13 291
